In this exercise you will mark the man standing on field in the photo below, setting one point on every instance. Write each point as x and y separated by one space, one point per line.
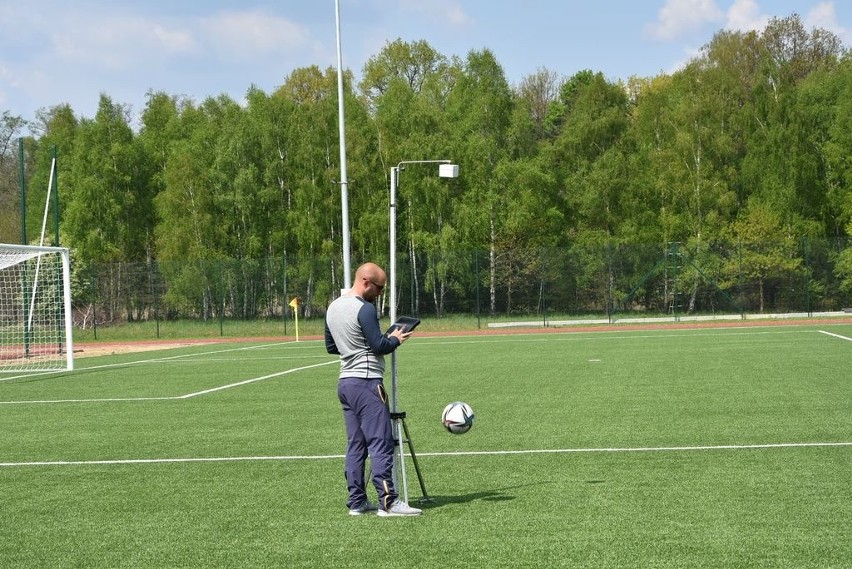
352 331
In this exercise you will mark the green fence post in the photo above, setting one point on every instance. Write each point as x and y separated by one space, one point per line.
94 302
155 293
476 286
222 304
610 302
412 284
742 292
285 303
23 180
55 198
806 248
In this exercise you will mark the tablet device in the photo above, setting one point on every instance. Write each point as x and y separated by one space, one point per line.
405 323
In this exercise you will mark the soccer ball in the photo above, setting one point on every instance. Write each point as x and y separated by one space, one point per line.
457 417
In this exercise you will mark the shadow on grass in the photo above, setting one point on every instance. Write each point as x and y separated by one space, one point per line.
496 495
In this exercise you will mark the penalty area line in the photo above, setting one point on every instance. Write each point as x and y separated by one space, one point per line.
835 335
163 359
247 381
768 446
167 398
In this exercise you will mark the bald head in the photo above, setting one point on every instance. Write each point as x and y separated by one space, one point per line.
370 280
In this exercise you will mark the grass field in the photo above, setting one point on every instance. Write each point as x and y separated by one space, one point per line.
727 447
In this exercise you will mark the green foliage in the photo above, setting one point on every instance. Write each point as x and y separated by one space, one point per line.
756 120
412 63
768 252
11 127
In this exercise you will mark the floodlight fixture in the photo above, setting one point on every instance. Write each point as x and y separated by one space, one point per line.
448 171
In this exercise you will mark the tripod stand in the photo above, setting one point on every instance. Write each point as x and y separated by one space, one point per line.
400 427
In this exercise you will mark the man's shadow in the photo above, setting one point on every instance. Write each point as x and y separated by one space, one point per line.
496 495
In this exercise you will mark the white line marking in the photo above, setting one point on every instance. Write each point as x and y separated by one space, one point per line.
147 361
252 359
173 397
457 453
835 335
165 460
246 382
93 400
639 449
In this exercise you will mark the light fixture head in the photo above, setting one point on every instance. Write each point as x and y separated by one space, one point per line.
448 171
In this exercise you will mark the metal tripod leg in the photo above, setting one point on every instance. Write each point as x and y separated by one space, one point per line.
402 427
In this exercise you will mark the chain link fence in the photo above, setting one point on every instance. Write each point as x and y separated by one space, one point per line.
546 285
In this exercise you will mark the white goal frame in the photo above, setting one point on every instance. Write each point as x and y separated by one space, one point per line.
36 332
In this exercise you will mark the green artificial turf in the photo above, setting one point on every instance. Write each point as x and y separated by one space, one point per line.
671 448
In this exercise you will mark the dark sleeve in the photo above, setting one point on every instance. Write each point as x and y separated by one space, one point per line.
380 344
330 346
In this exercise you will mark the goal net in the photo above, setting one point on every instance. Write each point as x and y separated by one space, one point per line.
35 309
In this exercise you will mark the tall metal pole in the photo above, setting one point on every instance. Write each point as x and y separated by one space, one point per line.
344 190
399 458
394 174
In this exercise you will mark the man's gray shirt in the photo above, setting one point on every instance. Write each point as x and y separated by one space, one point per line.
352 331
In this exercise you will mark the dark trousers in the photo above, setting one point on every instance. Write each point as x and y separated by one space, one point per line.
369 432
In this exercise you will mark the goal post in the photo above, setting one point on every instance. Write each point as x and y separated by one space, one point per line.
35 309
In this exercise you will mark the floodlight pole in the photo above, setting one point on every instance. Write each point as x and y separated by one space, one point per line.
344 181
446 170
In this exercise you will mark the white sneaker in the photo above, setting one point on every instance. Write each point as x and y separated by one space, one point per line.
364 508
399 508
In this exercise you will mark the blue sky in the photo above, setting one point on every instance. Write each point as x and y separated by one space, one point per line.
60 51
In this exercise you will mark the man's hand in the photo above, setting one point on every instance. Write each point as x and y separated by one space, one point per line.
399 335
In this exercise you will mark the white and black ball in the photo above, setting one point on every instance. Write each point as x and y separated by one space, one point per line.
457 417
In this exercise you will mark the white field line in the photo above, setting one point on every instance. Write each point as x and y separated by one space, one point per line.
835 335
247 381
148 361
170 398
253 358
769 446
640 449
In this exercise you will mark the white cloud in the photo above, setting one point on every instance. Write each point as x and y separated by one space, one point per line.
744 16
823 15
4 79
6 76
254 33
118 42
175 40
457 16
678 18
444 11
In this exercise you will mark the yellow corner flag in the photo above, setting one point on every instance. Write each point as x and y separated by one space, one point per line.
294 304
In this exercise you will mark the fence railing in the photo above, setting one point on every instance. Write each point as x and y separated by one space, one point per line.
609 281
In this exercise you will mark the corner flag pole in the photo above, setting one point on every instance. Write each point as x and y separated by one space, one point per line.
294 304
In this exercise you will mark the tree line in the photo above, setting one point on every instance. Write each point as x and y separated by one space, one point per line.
749 143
